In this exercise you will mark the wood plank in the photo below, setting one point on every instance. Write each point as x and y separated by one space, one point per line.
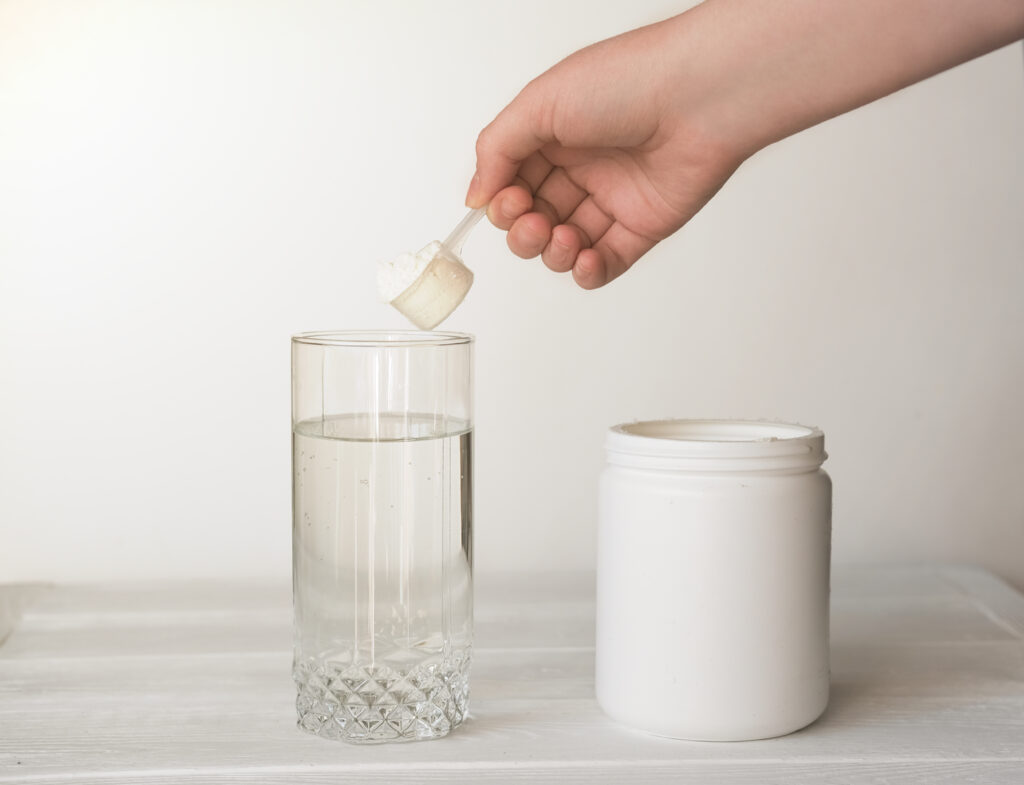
154 597
890 620
51 733
907 581
995 598
918 620
213 632
977 670
755 772
25 684
491 590
14 599
849 582
160 635
908 671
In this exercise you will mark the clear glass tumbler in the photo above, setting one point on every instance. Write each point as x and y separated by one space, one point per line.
382 428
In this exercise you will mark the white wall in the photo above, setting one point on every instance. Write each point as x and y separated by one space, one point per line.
184 185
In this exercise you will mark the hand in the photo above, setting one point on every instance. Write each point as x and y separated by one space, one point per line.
601 162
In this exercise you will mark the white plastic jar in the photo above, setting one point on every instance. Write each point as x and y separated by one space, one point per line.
713 578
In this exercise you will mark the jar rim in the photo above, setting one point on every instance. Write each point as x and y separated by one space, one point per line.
720 444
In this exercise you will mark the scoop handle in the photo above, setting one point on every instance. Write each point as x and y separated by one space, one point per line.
455 240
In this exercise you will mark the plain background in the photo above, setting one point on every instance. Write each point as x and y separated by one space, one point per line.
185 184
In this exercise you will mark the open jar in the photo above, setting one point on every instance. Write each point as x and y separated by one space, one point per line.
713 578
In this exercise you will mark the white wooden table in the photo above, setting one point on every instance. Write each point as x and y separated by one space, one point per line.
185 683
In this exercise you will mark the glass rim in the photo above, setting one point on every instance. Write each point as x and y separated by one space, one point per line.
382 338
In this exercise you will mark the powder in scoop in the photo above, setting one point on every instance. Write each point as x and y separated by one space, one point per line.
398 274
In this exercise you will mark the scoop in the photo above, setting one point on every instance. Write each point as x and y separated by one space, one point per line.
444 282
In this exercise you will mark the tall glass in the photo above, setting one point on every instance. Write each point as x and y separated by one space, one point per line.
382 426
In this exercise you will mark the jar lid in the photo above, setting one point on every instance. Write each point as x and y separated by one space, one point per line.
716 445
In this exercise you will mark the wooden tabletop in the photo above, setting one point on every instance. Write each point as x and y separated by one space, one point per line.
174 683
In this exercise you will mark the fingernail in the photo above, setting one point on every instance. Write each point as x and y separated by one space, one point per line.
473 194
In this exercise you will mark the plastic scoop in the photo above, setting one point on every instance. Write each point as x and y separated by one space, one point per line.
444 282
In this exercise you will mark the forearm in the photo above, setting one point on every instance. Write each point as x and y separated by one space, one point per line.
753 72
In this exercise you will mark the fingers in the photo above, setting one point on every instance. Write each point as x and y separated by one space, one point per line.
515 200
561 252
585 224
589 269
591 220
502 146
543 211
610 257
507 205
566 247
529 220
558 196
529 235
590 243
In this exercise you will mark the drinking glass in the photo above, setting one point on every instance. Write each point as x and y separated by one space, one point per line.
382 432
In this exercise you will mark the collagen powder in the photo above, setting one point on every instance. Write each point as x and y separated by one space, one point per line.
397 275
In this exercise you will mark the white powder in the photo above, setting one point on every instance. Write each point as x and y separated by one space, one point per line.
397 275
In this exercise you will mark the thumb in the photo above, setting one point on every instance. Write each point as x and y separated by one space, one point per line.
503 145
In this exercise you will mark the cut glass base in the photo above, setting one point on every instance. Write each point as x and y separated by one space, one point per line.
360 703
